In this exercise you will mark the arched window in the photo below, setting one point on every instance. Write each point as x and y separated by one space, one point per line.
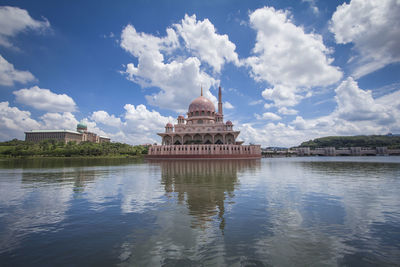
197 113
200 121
202 112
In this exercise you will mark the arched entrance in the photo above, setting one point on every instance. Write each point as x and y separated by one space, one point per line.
167 140
218 139
207 139
229 139
197 139
177 140
187 139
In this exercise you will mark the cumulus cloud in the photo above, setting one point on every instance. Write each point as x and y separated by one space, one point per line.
176 68
137 125
13 122
356 113
287 111
268 116
374 29
14 20
202 39
44 99
355 104
228 105
179 80
103 117
282 95
57 121
9 75
288 58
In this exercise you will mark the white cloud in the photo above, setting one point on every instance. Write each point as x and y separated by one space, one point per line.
282 95
374 29
142 124
141 44
228 105
58 121
268 116
256 102
313 6
13 122
268 105
44 99
355 104
356 113
137 126
299 123
288 58
201 38
179 79
287 111
14 20
103 117
9 75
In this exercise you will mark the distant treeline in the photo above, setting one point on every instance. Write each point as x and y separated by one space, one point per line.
373 141
53 148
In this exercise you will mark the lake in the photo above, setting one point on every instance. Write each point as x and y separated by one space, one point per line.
303 211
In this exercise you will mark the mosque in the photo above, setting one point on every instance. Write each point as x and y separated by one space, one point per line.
202 134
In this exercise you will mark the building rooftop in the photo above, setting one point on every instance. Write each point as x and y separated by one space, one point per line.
53 131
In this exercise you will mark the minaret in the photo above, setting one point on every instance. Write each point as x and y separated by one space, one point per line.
220 101
201 91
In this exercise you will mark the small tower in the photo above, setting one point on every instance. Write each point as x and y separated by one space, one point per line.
168 128
81 127
181 119
229 126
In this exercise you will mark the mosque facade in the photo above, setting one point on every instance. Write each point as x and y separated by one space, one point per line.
202 134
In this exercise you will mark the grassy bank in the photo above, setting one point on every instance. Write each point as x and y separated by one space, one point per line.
51 148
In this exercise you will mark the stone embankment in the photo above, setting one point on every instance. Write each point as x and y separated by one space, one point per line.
331 151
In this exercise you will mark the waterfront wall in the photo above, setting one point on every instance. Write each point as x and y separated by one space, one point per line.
351 151
204 151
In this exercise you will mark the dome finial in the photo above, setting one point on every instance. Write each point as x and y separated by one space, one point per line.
201 91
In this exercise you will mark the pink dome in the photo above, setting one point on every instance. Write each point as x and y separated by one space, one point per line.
201 104
168 125
228 123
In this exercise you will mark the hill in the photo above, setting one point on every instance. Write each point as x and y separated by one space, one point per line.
389 141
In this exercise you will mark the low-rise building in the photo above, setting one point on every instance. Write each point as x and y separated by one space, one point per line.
80 135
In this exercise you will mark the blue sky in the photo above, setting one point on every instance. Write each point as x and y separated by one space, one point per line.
290 70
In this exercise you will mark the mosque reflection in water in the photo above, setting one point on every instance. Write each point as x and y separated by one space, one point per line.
204 186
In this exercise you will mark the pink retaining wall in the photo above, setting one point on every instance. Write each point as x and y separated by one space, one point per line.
204 151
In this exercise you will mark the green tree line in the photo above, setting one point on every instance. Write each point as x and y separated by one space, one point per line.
53 148
389 141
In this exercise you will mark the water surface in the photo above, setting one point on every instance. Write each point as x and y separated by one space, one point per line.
316 211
